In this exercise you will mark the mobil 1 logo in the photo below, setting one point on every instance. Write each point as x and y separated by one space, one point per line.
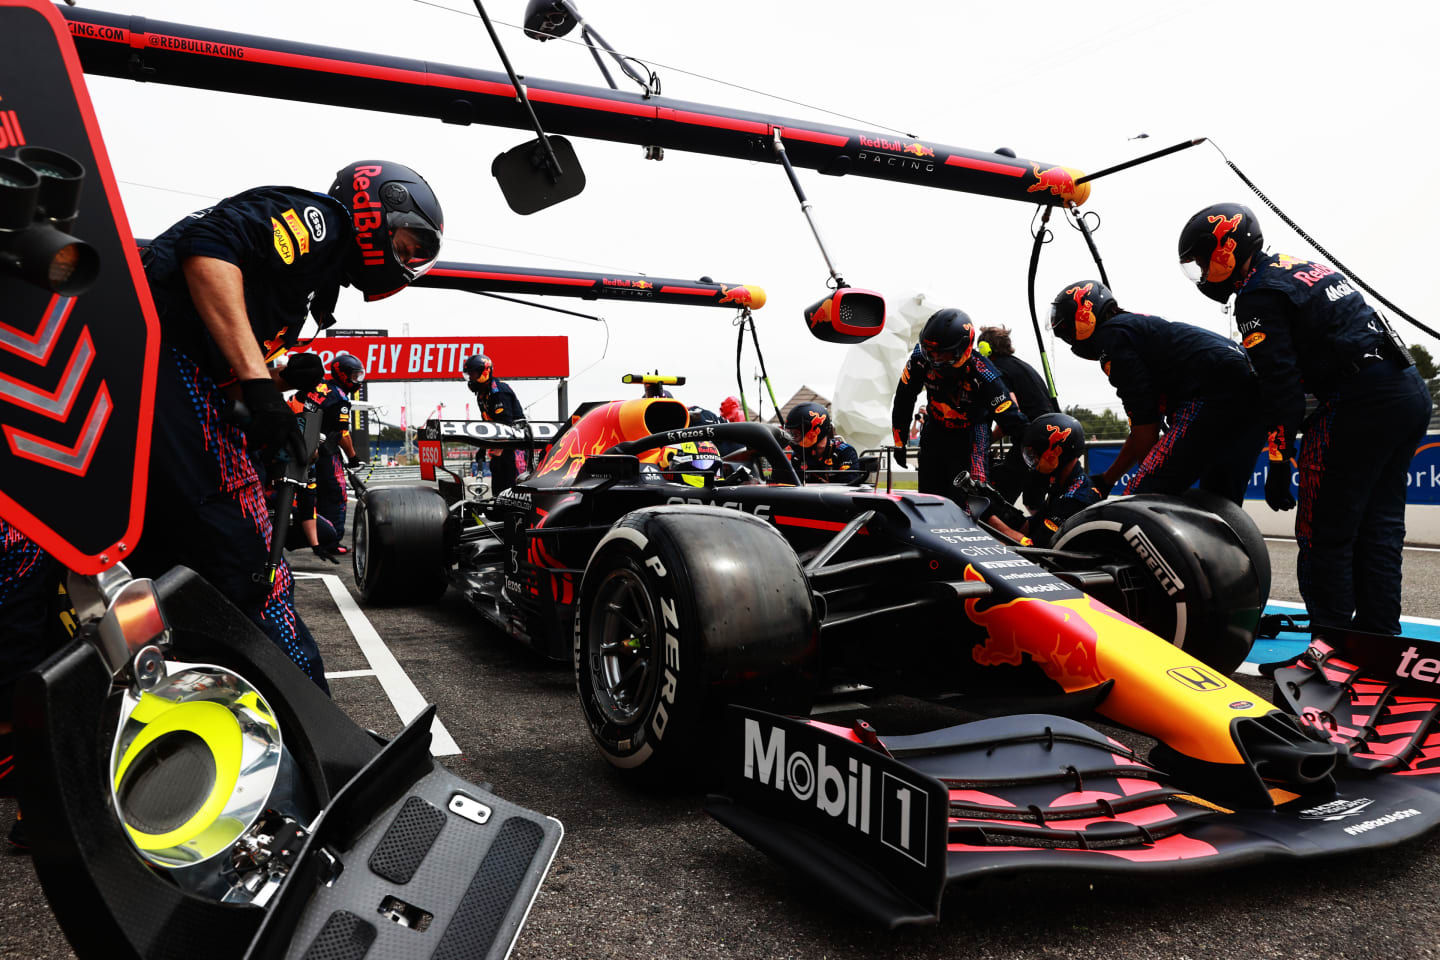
881 814
904 817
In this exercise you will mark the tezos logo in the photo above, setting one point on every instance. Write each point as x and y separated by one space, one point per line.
315 220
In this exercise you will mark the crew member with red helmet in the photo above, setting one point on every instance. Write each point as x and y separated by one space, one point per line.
964 394
1307 329
821 457
497 402
232 285
1191 381
346 375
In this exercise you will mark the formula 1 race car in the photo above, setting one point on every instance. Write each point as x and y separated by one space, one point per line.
680 590
678 583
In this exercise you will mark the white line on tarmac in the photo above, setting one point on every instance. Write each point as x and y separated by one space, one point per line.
347 674
398 686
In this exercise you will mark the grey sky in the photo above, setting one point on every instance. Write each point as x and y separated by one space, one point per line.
1326 106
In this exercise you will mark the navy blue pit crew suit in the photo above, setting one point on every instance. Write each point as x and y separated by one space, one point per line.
1202 387
1307 329
330 487
502 406
838 462
206 506
961 402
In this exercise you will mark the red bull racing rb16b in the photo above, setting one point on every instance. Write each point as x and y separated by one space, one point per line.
707 604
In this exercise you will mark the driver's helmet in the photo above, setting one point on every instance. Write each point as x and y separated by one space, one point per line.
397 225
1215 244
948 338
807 423
347 370
691 462
1051 441
479 373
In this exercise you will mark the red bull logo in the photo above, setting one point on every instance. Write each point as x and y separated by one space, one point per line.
812 432
1084 311
919 150
821 314
643 284
941 410
1055 438
1222 260
1057 639
740 295
1059 181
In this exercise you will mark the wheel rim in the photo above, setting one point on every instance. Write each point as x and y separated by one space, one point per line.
360 541
623 640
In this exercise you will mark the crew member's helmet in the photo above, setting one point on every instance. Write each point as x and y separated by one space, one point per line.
479 373
397 225
1051 442
948 337
1214 246
807 423
690 462
347 370
1077 310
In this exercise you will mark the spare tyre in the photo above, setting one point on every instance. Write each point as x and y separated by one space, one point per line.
1192 579
399 545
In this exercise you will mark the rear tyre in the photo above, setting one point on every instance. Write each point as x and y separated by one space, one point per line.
399 545
684 610
1193 582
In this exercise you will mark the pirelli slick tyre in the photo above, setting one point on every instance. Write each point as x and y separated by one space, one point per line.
684 610
1188 575
1244 528
399 545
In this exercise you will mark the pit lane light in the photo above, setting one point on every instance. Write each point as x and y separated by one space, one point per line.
39 201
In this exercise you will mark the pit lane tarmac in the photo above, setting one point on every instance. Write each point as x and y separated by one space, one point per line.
644 875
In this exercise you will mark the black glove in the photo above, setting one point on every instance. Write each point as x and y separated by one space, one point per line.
1277 486
325 553
358 464
303 372
900 450
268 420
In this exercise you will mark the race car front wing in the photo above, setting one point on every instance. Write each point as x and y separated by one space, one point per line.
884 823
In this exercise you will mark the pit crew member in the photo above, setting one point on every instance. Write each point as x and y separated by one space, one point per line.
820 457
1191 381
1027 388
498 403
964 393
1053 450
232 285
346 374
1307 328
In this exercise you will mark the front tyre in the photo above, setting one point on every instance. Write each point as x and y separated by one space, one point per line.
682 611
